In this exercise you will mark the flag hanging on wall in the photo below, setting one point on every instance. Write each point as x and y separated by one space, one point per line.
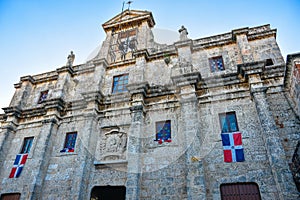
232 147
18 165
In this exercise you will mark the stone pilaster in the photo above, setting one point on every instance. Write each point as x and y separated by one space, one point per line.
64 75
190 129
85 148
134 150
23 89
10 128
134 168
184 49
240 35
277 159
100 68
42 153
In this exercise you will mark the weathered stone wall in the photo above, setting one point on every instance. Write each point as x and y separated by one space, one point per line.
256 165
266 48
286 121
167 183
231 57
116 132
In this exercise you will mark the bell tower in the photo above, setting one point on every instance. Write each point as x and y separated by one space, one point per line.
126 33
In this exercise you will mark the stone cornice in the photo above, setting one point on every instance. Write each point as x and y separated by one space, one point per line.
12 111
100 61
122 63
93 96
67 69
141 53
138 88
186 79
218 81
247 69
184 43
259 67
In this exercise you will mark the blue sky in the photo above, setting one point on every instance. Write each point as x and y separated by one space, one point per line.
37 35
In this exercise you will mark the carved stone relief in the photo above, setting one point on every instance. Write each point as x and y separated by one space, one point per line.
113 145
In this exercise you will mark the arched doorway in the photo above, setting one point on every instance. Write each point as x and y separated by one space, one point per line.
108 193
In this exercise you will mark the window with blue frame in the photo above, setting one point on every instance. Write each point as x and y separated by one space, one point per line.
119 83
27 145
228 122
70 142
163 131
216 64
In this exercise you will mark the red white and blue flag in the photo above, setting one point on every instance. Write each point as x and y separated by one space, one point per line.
18 165
232 147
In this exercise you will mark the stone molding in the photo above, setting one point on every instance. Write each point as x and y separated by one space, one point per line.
134 16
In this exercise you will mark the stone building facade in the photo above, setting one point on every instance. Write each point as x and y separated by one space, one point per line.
143 120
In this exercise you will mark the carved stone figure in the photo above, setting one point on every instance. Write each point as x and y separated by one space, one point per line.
183 33
71 59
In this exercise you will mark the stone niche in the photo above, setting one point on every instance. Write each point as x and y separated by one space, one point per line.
112 145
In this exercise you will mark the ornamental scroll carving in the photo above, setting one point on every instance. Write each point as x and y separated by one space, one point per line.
113 146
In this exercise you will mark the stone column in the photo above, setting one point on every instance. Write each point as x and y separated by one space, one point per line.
42 153
277 159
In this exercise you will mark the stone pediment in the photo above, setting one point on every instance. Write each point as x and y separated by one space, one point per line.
129 17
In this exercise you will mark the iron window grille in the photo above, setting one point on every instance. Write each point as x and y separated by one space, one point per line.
119 83
216 64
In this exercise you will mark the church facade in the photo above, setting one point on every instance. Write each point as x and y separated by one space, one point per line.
211 118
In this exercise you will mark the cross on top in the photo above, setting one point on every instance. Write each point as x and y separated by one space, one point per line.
129 2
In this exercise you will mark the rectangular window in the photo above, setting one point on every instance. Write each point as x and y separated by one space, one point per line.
43 96
216 64
228 122
27 145
119 83
269 62
70 142
163 131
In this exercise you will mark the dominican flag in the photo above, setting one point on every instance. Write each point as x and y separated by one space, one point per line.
18 165
67 150
232 146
